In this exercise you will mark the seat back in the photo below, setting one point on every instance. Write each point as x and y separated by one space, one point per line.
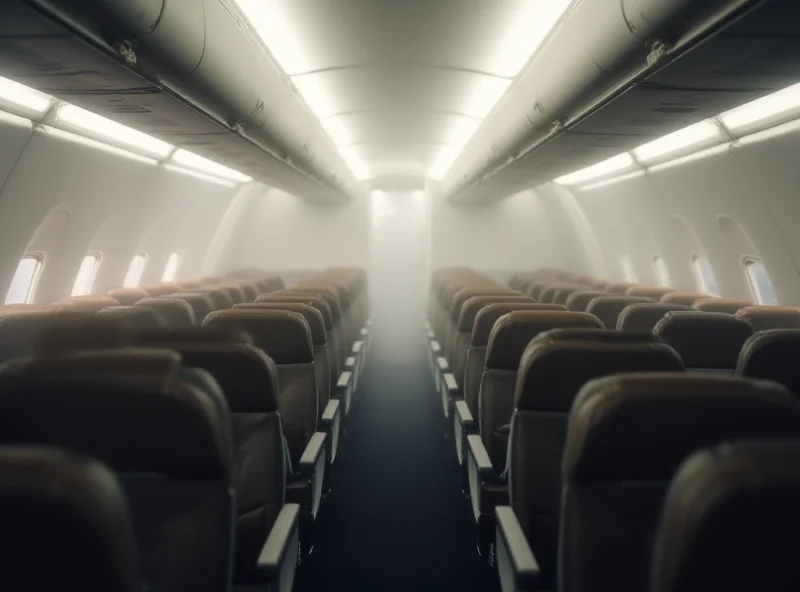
579 300
176 312
627 436
134 316
507 342
65 524
454 315
764 318
704 340
654 292
286 338
644 317
684 298
772 355
201 304
732 505
608 308
554 367
726 305
163 429
127 296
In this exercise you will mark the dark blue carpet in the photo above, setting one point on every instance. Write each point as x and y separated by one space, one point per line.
396 519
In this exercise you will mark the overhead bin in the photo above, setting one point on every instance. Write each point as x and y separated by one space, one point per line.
596 51
205 54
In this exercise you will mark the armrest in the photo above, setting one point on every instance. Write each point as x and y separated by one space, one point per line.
516 563
426 325
479 455
449 389
364 332
357 346
464 415
331 413
350 364
278 558
311 455
441 362
435 347
431 335
330 423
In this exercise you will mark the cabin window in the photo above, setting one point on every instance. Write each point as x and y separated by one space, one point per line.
85 278
628 270
135 271
704 275
23 284
760 283
172 267
661 271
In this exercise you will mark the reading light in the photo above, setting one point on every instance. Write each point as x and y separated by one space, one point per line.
694 137
209 167
23 97
765 109
74 118
615 164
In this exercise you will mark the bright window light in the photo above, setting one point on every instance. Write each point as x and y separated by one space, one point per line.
704 275
85 278
77 119
135 271
338 131
760 284
23 97
171 268
204 165
24 281
763 109
628 270
697 136
615 164
661 271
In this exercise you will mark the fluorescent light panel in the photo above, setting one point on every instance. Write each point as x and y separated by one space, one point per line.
199 175
615 164
77 119
98 145
766 108
23 97
695 136
204 165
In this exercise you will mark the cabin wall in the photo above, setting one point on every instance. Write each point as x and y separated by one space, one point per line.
64 196
280 232
520 232
730 202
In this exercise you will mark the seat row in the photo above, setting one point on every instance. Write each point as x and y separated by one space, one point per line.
521 372
222 435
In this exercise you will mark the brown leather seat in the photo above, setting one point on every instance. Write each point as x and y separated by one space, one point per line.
728 506
85 303
654 292
163 429
134 316
201 304
772 355
644 317
684 298
176 312
618 287
627 436
65 523
608 308
554 367
579 301
156 290
705 340
726 305
127 296
763 318
219 297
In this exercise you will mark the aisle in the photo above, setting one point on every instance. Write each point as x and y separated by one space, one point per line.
396 520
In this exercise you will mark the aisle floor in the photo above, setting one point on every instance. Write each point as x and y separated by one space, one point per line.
396 519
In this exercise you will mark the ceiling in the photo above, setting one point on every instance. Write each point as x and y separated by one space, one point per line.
401 85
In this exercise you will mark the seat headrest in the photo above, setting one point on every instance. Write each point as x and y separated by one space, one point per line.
52 499
127 296
460 297
317 304
536 287
488 315
608 308
155 290
342 293
513 331
552 371
618 287
133 317
176 312
654 292
219 298
598 335
644 317
85 303
563 293
312 316
201 304
726 305
578 301
684 298
67 332
130 361
763 318
721 510
249 290
189 335
772 355
235 293
705 339
283 335
642 426
132 424
247 376
330 298
474 305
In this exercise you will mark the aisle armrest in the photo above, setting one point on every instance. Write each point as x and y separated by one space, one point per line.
330 423
344 389
312 466
479 466
449 392
516 563
435 353
358 353
426 325
277 561
464 425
